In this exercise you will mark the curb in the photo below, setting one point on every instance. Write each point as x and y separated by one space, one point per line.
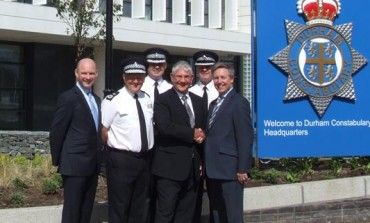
256 198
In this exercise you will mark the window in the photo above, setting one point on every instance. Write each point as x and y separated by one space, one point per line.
127 5
12 87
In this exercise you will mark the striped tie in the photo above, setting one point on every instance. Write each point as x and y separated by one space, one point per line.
215 109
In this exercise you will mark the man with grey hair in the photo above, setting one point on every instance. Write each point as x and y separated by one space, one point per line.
179 119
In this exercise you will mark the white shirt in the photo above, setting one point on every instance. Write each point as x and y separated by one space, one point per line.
120 116
211 90
85 93
148 86
188 100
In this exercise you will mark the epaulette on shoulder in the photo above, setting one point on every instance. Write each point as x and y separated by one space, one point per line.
112 95
145 93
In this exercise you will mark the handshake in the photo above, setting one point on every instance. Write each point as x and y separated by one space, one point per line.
199 135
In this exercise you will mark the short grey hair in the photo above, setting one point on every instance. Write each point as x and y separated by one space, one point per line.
183 65
224 66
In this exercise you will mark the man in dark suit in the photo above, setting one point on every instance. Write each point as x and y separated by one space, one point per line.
179 119
75 137
228 149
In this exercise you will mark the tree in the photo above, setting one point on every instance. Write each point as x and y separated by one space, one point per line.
85 23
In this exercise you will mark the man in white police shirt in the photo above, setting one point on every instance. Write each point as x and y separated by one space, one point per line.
157 63
128 133
204 87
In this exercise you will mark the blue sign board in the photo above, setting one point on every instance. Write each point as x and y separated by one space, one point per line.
312 78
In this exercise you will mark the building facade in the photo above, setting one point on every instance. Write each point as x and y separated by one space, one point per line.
37 56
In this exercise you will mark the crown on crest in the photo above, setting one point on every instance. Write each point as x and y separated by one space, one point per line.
319 11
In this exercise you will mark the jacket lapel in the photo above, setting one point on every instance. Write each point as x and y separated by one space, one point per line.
224 105
179 106
196 110
82 99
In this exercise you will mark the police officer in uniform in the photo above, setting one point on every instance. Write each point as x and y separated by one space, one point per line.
157 63
205 88
154 85
128 134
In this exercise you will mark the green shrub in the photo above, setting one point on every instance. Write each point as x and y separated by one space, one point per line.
20 160
37 160
354 162
293 177
336 164
51 184
271 176
57 178
255 173
17 198
19 183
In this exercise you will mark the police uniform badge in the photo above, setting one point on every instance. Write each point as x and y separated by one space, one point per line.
112 95
319 59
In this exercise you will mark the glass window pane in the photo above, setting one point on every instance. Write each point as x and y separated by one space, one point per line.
11 99
148 12
11 76
12 120
127 9
11 53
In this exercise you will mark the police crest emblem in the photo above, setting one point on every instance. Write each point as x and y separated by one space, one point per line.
319 59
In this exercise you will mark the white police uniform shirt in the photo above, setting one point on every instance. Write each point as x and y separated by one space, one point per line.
211 90
148 86
120 116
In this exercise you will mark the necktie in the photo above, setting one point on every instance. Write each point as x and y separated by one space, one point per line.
205 98
215 109
93 108
188 110
156 92
144 139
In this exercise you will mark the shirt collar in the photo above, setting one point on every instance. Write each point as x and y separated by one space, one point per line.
181 94
224 95
83 90
151 81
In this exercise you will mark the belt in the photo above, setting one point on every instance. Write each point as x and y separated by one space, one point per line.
130 153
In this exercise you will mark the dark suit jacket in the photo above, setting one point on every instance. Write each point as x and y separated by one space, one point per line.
228 145
74 141
175 145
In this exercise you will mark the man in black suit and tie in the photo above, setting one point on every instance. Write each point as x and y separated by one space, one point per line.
75 138
228 149
179 119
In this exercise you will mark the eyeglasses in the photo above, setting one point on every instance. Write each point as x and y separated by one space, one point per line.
178 77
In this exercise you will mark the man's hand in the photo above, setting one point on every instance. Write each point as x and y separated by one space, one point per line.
199 135
242 177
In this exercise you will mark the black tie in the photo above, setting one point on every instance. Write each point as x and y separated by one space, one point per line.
144 139
205 98
156 92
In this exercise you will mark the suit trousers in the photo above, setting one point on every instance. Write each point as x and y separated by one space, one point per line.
226 200
79 196
176 200
128 177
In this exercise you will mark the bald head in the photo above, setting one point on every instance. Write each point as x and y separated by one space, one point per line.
86 73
